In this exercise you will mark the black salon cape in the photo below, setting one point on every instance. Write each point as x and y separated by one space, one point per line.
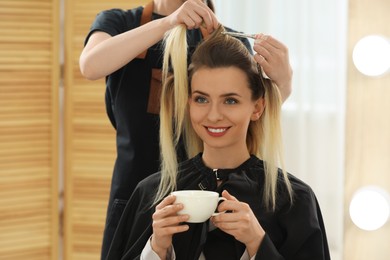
292 231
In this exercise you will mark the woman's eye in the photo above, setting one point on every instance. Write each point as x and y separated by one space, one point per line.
231 101
200 100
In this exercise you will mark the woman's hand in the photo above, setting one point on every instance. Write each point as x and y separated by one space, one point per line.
240 223
273 57
166 223
194 13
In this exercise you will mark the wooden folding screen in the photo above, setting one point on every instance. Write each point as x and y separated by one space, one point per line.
29 82
89 137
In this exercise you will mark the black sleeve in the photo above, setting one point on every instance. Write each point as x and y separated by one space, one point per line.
115 21
305 236
134 228
267 250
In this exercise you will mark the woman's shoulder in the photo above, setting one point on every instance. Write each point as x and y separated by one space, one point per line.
152 181
303 196
301 192
118 12
115 21
299 186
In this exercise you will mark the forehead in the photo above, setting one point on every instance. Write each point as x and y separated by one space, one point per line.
228 79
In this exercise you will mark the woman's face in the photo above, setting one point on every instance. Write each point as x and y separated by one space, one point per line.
221 107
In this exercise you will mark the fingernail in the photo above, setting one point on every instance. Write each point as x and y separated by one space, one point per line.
258 36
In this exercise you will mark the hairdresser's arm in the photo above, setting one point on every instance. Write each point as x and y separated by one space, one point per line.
103 54
273 57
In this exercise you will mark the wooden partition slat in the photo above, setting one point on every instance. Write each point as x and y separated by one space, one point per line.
29 82
89 137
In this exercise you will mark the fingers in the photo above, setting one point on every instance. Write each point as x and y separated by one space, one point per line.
235 208
166 221
228 196
195 13
264 48
166 201
273 57
269 47
262 38
166 209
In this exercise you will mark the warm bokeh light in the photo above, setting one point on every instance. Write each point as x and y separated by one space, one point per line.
370 208
371 55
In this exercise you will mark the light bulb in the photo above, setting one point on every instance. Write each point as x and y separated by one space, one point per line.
371 55
370 208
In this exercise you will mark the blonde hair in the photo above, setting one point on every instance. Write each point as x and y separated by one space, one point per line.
264 135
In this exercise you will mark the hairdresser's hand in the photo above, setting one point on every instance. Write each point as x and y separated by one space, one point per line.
166 223
240 223
194 13
273 57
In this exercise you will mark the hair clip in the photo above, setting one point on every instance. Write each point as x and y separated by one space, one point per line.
242 35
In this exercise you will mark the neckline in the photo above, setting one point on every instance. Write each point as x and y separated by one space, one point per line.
203 168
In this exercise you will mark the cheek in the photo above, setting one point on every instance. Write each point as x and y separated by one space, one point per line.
195 115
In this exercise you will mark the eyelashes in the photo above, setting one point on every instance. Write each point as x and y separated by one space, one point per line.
204 100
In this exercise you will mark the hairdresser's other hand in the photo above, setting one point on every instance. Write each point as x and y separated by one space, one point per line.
240 223
194 13
166 223
273 57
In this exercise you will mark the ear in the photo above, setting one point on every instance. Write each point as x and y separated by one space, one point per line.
258 109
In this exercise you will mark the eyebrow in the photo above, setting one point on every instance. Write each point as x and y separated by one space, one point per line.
224 95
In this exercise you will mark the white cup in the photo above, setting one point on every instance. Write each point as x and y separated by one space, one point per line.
198 204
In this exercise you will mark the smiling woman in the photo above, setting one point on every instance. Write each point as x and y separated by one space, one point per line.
230 119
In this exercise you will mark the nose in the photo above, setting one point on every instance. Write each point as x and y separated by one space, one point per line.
215 113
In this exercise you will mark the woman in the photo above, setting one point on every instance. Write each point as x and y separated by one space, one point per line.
125 47
230 120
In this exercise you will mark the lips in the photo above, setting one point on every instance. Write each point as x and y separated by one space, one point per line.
216 131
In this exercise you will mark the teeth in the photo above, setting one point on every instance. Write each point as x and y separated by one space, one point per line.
216 130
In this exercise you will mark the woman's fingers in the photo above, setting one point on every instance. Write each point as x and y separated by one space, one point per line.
195 13
166 201
273 57
166 223
166 213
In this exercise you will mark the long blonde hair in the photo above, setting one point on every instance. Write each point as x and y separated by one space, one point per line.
264 135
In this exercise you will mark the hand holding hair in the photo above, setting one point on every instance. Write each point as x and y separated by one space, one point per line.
273 57
194 14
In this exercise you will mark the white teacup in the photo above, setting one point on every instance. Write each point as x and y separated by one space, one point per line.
198 204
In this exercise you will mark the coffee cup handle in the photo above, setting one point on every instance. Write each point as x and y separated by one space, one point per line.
217 213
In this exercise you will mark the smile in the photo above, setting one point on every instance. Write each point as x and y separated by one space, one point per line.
217 130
